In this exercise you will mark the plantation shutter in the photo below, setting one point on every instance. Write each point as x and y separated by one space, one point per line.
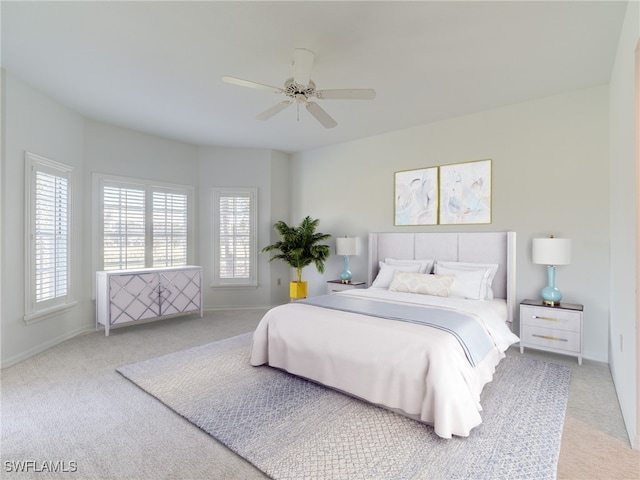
234 245
51 236
169 229
123 228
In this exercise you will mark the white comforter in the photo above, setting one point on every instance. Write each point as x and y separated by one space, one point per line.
420 371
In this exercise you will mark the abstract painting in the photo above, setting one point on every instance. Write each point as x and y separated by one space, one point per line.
416 197
465 193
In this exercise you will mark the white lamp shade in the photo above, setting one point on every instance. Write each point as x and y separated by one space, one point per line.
552 251
347 246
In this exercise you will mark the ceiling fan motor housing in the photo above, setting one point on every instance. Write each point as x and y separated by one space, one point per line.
293 90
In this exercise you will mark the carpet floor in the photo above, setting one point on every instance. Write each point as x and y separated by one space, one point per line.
291 428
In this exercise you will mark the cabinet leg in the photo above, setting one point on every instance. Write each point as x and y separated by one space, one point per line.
521 349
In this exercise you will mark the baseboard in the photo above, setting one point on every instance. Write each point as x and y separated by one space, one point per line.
231 307
46 346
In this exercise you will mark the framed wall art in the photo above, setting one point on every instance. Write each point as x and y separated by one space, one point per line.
416 197
465 193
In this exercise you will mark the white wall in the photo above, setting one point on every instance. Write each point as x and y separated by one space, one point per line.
624 214
550 175
35 123
241 167
279 273
119 151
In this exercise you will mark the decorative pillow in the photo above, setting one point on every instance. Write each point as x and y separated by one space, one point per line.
425 265
472 280
385 275
425 284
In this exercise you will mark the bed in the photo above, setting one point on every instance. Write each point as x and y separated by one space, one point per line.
373 344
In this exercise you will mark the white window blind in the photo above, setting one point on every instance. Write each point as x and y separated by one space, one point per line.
141 224
234 243
48 235
51 236
123 228
169 229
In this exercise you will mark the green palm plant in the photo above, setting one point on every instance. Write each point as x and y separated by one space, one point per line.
299 246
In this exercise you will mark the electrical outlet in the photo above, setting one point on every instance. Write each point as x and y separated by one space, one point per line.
621 337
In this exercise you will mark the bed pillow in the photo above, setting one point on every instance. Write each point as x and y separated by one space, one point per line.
385 275
472 280
425 265
422 283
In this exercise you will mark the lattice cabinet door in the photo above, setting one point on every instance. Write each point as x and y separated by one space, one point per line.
133 297
180 291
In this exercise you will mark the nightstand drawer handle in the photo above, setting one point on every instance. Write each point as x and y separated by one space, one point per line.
546 337
551 319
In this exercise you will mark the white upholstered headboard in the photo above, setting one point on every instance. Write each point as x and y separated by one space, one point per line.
473 247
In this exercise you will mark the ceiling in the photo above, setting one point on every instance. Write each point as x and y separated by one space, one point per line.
155 66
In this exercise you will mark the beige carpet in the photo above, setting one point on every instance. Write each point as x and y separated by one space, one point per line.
588 453
69 404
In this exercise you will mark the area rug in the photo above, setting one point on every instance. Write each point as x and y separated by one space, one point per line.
291 428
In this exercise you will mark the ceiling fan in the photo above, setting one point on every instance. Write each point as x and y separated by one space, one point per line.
300 89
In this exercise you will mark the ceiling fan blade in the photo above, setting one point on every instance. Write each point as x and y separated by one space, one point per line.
322 116
270 112
247 83
347 94
302 64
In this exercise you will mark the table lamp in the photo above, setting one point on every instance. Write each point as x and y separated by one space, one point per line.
346 246
551 252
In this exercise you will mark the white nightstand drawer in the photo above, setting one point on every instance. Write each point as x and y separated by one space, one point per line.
551 338
551 318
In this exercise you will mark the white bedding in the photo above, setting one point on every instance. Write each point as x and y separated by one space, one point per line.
421 371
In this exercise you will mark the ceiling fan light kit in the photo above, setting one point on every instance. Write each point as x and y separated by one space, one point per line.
300 89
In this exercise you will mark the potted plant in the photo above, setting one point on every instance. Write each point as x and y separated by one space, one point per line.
299 246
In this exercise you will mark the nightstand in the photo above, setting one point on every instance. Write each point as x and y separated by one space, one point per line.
337 286
552 328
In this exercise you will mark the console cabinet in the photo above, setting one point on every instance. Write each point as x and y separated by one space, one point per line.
124 296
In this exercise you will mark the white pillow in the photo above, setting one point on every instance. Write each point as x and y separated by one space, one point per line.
425 265
422 283
385 275
473 280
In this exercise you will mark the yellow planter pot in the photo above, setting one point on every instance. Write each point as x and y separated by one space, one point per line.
297 290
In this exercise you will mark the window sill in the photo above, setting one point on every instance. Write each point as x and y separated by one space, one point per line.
40 315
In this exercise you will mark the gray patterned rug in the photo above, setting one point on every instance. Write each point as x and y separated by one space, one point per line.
291 428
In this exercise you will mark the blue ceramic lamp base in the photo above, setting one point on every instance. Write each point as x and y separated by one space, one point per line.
550 294
345 276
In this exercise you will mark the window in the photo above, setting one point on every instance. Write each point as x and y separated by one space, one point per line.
169 229
123 232
234 239
48 234
142 224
